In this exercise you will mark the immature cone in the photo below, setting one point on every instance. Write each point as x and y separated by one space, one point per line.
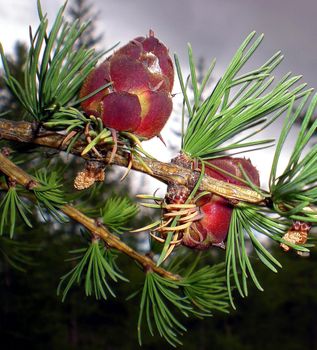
139 99
214 211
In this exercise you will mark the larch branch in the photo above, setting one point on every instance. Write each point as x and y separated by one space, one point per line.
16 173
166 172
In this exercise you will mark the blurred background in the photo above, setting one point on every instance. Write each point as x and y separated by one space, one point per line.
284 316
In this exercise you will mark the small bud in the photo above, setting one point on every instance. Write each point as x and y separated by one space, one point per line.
92 173
297 234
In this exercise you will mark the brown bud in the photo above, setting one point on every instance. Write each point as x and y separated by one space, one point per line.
93 172
297 234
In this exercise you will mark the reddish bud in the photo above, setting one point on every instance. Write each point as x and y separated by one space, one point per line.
214 225
141 69
213 212
212 229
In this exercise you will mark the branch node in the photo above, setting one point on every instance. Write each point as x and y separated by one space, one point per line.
31 185
98 222
12 182
6 151
95 238
94 171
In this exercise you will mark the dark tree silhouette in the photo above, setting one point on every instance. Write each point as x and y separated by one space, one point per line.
85 11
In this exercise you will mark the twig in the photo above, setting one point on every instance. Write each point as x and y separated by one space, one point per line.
165 172
24 179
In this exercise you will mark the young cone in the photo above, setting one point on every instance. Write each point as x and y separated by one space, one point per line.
211 223
139 99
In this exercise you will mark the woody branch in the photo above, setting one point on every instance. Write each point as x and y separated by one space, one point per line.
166 172
20 176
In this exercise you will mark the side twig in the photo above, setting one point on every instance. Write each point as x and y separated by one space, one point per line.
16 173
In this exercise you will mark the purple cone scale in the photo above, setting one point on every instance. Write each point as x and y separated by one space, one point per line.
139 99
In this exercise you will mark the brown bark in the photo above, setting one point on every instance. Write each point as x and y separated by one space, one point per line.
24 179
166 172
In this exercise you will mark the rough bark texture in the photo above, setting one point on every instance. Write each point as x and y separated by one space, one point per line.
165 172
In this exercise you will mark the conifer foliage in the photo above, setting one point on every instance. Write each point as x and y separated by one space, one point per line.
207 186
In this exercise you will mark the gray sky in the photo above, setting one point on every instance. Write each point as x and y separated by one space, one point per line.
215 28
